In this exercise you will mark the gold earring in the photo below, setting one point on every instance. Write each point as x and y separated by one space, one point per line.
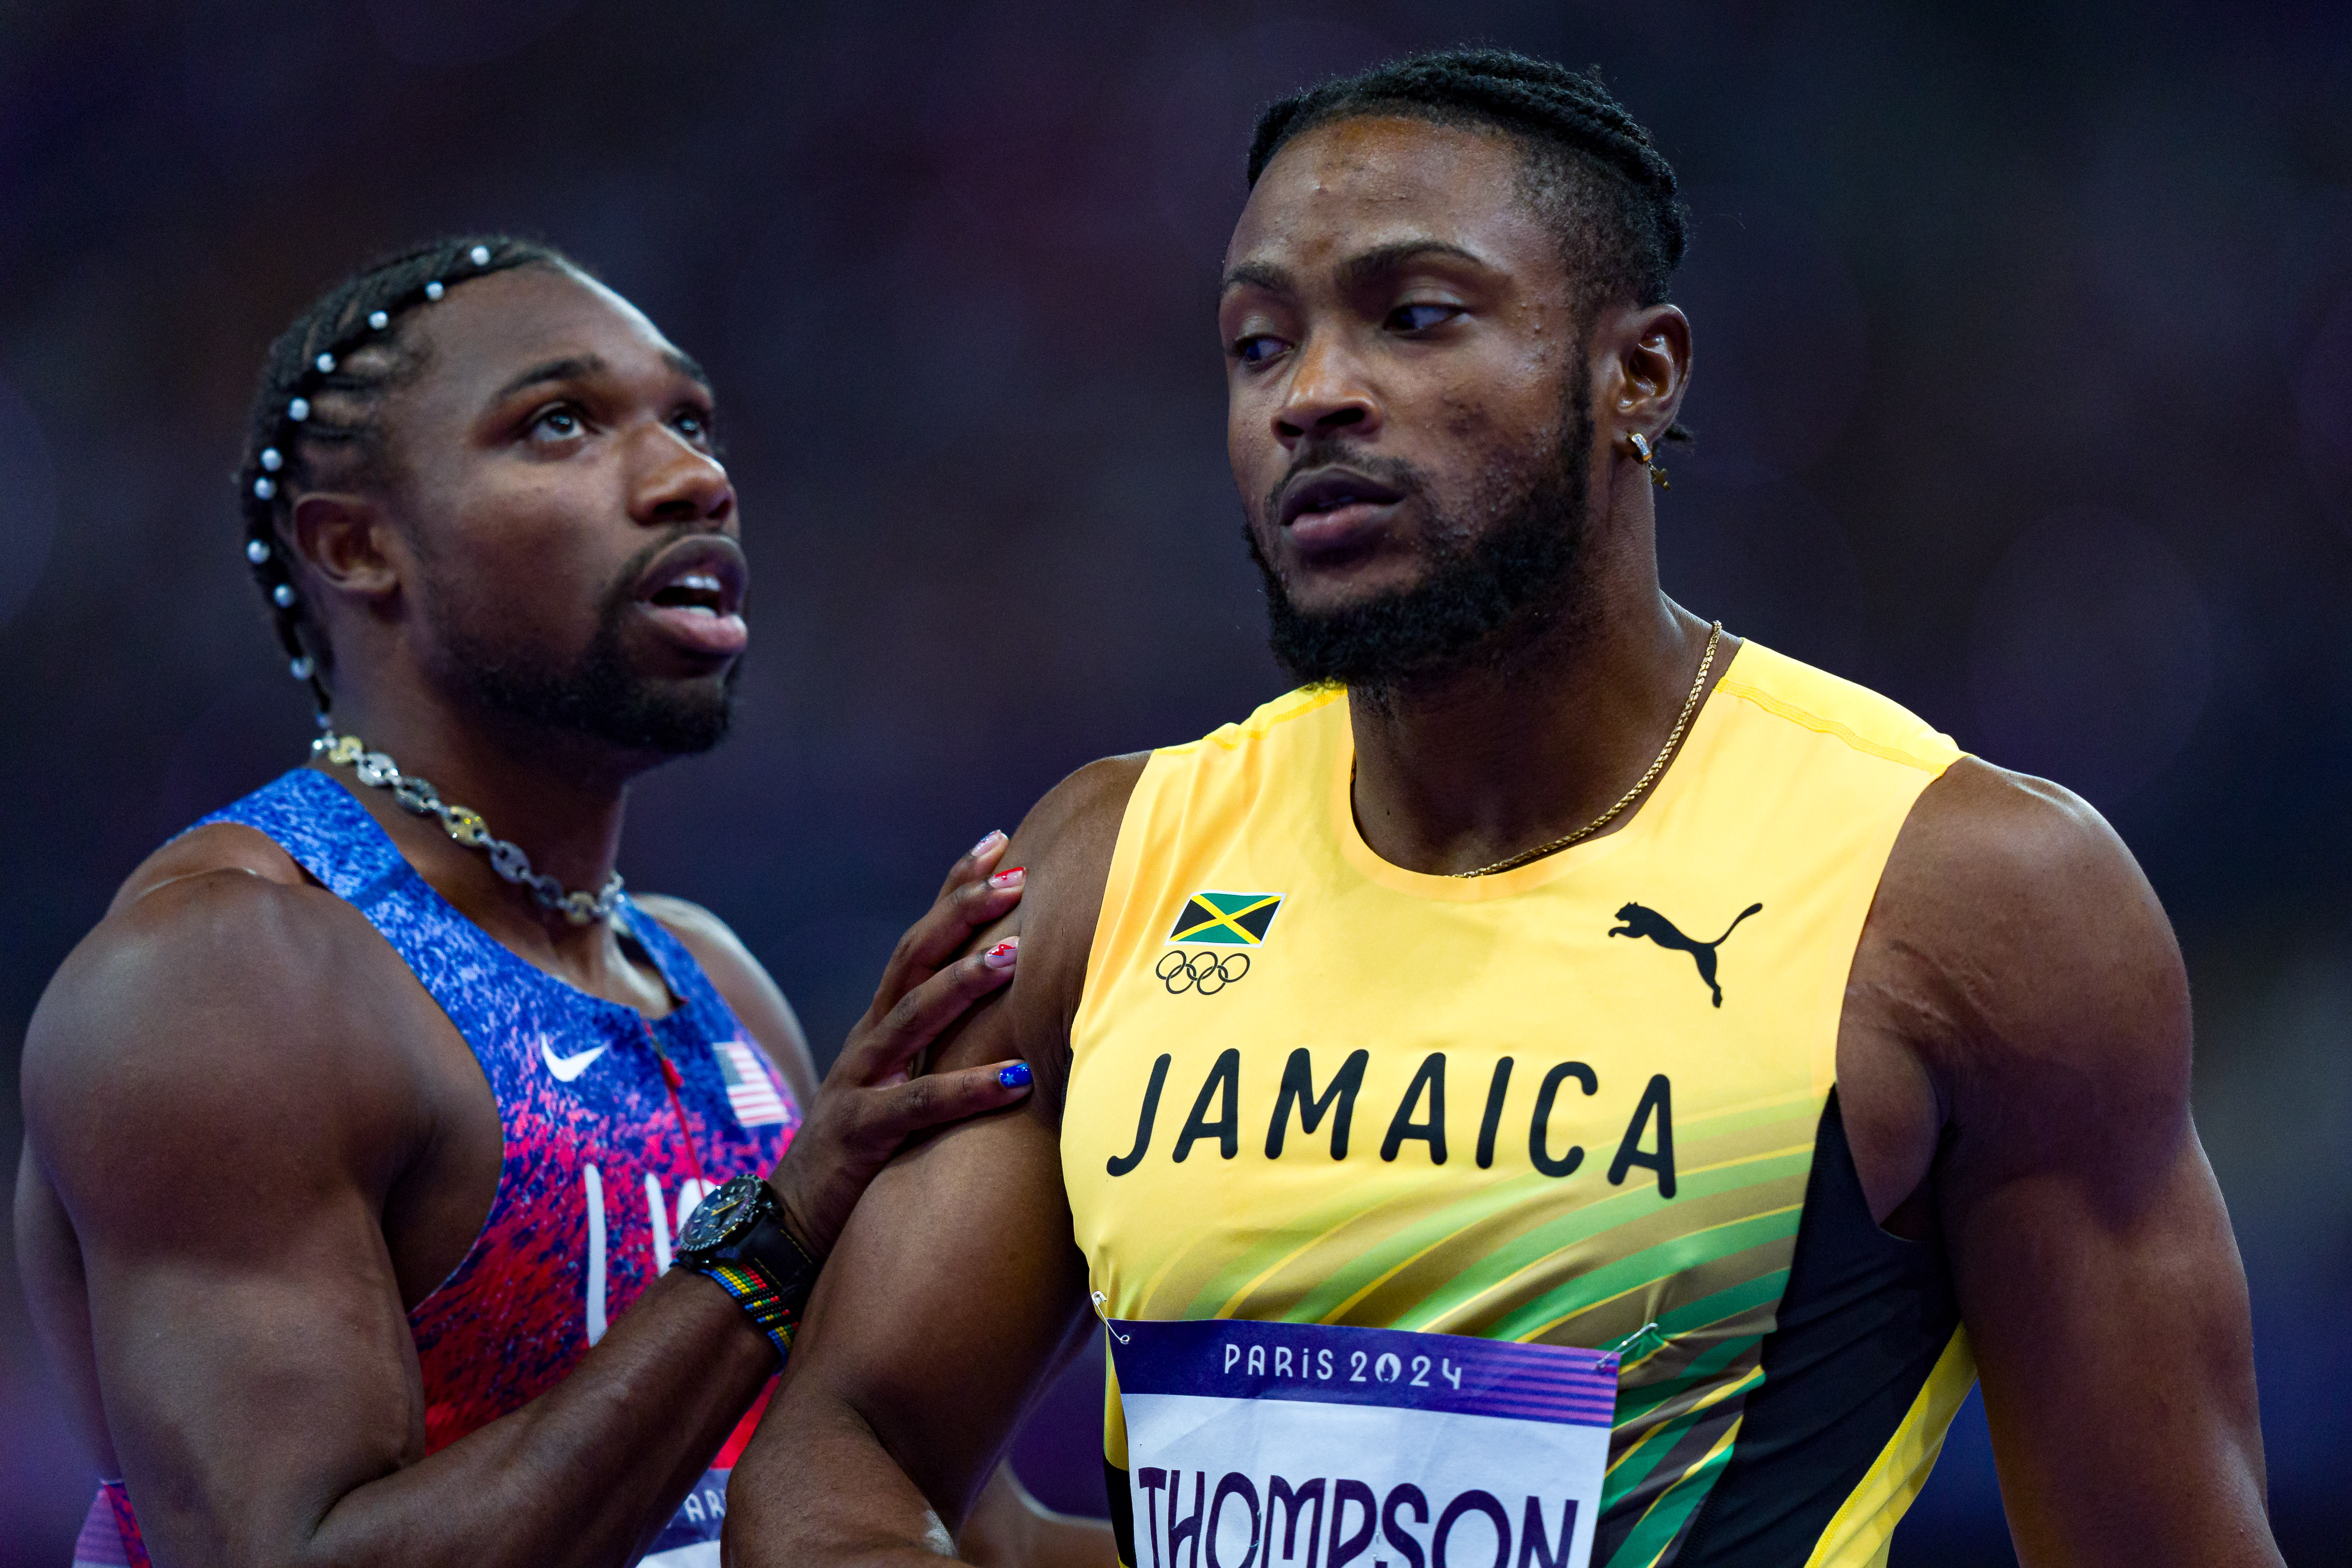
1645 454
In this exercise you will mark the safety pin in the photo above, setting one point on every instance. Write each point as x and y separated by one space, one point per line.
1617 1349
1101 1310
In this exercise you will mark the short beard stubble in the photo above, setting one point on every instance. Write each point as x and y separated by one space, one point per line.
1501 573
599 697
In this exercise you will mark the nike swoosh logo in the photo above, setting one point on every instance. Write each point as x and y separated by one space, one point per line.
566 1069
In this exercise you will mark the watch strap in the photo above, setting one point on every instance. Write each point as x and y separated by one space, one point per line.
770 1307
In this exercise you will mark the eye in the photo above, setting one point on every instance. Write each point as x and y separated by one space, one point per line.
1421 317
559 422
694 424
1257 348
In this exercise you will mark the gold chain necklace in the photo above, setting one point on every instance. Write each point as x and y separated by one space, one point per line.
1690 705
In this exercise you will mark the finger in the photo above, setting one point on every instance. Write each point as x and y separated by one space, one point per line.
978 861
945 928
896 1114
918 1017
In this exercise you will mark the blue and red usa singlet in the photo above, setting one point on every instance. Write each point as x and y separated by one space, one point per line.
596 1180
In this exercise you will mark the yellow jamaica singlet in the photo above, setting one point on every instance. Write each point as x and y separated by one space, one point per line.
1587 1101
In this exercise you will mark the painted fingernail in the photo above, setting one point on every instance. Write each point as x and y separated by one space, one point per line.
1010 877
1015 1076
1002 955
985 845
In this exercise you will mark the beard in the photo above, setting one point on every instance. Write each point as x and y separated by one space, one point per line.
1500 572
599 695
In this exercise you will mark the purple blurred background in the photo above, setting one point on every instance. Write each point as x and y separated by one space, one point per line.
2024 379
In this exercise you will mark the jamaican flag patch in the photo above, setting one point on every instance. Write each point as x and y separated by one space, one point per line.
1226 920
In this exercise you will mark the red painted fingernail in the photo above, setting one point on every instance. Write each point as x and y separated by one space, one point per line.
1002 955
989 842
1010 877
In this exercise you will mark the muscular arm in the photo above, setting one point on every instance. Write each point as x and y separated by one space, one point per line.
955 1289
2018 1037
240 1120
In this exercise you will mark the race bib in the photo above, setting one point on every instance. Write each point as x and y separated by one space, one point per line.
690 1539
1304 1445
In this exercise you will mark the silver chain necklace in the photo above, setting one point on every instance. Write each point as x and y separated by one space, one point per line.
466 827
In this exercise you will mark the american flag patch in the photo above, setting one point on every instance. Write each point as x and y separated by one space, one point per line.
749 1089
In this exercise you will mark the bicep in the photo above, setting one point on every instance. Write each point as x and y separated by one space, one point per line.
247 1387
2091 1250
219 1135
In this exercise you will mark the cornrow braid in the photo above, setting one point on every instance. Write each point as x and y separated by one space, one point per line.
1622 226
322 388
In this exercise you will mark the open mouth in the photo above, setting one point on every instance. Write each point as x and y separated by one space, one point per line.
694 592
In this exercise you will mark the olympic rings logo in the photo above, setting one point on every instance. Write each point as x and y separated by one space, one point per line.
1202 971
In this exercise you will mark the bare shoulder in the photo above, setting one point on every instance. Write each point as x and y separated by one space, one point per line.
2017 949
225 1006
744 981
221 847
1064 845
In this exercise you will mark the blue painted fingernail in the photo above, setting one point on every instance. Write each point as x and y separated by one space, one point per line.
1015 1076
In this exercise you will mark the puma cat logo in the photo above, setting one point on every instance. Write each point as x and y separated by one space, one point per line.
1641 920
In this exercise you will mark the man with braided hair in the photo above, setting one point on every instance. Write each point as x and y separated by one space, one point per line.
1566 1085
395 1188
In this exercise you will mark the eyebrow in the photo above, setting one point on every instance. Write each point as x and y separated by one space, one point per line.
1368 265
1354 272
578 367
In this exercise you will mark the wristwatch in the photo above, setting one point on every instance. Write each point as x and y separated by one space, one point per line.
736 1236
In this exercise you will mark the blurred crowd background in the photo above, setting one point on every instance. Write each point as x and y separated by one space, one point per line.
2024 387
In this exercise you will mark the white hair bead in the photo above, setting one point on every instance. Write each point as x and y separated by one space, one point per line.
300 667
264 486
326 363
481 254
379 320
299 410
255 552
271 459
282 597
434 290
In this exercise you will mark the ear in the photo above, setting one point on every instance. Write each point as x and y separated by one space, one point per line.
1647 368
349 545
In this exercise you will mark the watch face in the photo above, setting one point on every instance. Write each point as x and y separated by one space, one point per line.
718 1217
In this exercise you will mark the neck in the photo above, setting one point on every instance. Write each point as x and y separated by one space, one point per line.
561 806
1458 770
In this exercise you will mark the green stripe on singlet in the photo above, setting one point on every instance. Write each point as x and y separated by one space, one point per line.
1348 1280
1655 1263
1668 1516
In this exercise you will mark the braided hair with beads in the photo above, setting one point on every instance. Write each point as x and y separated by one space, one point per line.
1610 191
315 419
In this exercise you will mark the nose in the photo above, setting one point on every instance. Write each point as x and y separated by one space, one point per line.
1328 393
678 482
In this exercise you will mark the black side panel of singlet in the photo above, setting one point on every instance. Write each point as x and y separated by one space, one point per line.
1863 1322
1122 1511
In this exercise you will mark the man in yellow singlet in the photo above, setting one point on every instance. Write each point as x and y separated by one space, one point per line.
1566 1085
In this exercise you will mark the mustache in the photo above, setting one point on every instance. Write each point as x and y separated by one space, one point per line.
1394 472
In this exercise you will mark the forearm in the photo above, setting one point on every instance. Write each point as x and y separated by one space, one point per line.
829 1493
586 1474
